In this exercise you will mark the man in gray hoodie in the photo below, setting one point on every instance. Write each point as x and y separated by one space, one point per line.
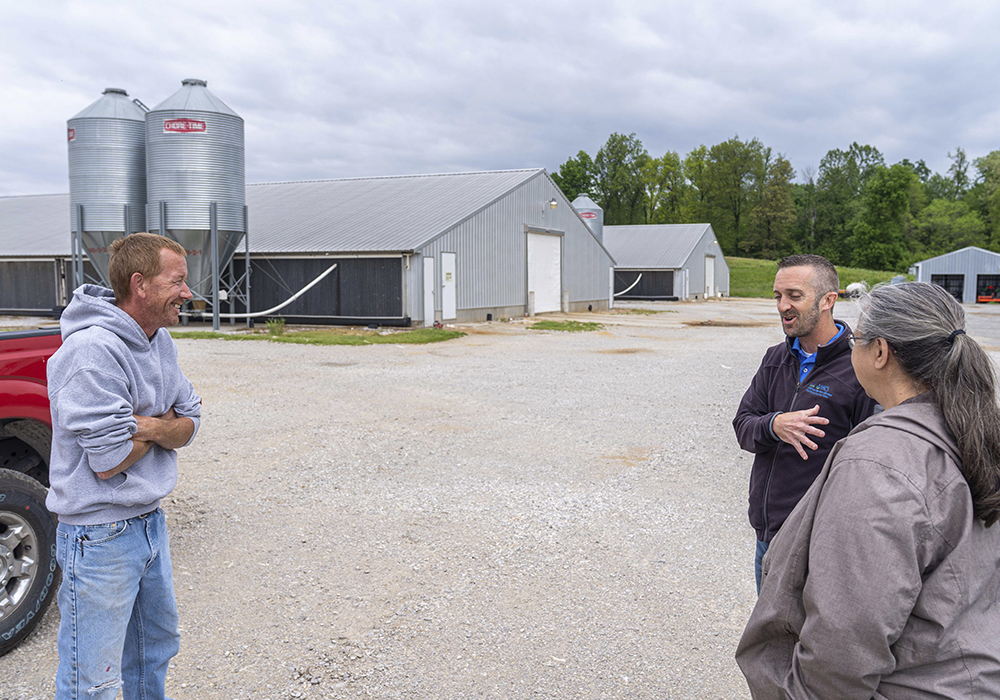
120 408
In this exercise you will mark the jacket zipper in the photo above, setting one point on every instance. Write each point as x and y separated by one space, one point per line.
770 470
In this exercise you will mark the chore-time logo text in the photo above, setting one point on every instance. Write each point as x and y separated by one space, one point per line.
184 126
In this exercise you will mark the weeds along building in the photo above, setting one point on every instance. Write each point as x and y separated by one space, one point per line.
408 250
667 262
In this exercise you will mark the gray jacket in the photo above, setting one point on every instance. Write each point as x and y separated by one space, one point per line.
880 584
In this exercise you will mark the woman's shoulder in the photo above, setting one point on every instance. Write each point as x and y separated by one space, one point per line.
909 443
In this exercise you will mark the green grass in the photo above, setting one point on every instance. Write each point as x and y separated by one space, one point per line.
330 336
565 326
755 278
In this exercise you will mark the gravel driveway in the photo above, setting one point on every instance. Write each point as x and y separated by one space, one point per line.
513 514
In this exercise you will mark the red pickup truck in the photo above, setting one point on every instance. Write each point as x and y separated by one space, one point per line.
29 575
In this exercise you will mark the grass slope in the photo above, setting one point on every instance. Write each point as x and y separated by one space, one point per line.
755 278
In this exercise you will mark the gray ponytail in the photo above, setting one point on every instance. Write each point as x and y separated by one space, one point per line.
919 322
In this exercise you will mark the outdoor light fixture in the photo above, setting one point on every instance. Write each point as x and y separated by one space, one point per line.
553 203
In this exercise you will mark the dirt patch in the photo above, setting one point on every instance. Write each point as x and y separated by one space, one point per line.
728 324
624 351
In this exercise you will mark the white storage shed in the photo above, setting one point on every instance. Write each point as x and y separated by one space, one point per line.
970 274
667 261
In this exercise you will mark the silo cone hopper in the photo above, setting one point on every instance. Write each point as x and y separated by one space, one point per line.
198 244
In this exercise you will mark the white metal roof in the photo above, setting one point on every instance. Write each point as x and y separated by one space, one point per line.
358 215
34 225
653 246
374 214
968 250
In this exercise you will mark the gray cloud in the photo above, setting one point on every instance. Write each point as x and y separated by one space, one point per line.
352 89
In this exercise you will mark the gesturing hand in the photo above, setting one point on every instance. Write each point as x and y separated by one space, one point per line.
795 427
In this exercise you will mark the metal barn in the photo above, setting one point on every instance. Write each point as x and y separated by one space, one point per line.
970 274
408 250
667 262
34 253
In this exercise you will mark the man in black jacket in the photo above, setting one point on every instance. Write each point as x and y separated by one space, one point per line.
803 399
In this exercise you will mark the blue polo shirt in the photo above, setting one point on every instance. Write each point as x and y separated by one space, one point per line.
806 364
807 361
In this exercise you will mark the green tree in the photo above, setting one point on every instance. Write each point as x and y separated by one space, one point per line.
665 187
804 197
959 172
696 206
986 193
945 226
841 178
618 181
737 171
575 176
877 240
770 224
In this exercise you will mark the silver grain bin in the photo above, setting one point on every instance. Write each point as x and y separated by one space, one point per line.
107 173
592 214
194 157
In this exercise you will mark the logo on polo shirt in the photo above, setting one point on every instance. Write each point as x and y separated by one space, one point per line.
819 390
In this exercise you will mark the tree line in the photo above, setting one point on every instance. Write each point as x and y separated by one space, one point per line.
854 209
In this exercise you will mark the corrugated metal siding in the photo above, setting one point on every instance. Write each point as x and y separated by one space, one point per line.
491 248
707 245
969 262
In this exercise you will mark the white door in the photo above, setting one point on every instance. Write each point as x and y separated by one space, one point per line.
545 271
709 276
429 285
449 302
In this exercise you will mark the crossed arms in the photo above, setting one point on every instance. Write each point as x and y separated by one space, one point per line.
168 431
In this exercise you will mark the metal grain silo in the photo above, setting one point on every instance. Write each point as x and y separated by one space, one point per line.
194 164
592 214
107 173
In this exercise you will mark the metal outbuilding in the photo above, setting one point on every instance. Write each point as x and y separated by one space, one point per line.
409 249
667 261
970 274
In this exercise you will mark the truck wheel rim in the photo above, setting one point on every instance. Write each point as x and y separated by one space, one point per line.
17 560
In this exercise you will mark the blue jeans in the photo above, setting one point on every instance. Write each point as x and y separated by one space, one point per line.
758 559
118 615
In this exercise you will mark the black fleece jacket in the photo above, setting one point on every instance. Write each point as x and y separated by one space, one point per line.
780 477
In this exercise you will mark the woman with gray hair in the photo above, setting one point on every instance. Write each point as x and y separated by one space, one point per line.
884 581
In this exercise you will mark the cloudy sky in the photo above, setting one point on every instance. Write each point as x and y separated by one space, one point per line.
343 88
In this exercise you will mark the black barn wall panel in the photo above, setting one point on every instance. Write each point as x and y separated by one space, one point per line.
655 284
358 287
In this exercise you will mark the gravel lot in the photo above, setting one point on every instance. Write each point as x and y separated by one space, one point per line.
513 514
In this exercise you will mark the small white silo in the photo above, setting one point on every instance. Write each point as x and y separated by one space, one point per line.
592 214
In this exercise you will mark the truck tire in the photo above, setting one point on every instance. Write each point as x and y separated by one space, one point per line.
29 576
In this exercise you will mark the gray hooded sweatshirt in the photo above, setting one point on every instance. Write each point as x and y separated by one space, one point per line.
106 373
881 584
